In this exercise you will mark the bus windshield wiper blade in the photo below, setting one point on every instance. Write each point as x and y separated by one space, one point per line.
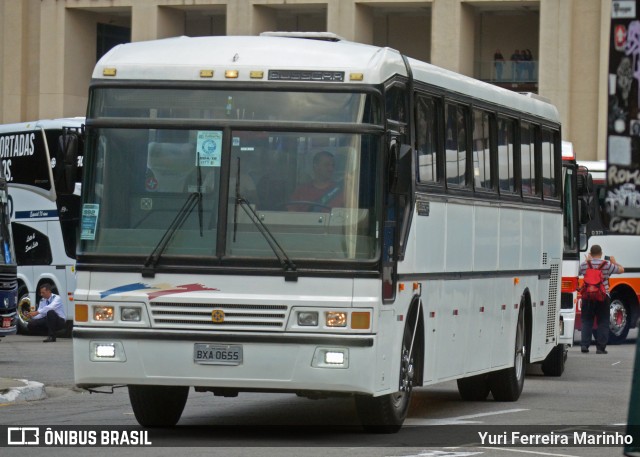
290 269
149 267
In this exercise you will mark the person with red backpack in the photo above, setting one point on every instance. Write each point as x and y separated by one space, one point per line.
595 296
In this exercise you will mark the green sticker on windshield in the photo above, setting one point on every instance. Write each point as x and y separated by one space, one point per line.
209 148
89 221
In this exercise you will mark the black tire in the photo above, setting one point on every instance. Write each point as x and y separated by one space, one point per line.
158 406
553 365
619 321
386 414
507 384
474 388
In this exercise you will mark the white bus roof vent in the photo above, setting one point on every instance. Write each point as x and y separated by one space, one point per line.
322 36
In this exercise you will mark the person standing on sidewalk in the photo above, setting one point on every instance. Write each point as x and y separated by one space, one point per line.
50 314
594 308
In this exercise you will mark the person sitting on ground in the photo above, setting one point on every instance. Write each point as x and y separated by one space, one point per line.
49 315
321 193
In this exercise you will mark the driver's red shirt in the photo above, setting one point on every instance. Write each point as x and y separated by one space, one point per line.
327 198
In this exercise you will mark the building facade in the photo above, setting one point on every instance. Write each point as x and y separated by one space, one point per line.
557 48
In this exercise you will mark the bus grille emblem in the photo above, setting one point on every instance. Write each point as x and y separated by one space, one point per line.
217 316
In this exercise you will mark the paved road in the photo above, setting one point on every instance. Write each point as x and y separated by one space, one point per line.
594 391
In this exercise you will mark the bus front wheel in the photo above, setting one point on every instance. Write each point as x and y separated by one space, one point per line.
619 321
385 414
158 406
24 306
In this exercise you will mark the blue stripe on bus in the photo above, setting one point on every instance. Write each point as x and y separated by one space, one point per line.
37 214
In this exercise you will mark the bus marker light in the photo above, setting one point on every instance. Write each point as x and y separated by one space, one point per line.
356 76
400 287
231 74
360 320
206 73
109 72
82 313
256 74
516 281
308 318
416 285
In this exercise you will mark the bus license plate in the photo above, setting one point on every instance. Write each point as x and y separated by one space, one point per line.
217 354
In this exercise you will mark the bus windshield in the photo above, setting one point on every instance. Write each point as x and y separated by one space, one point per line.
313 190
7 256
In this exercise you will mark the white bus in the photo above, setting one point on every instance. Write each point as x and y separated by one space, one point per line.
42 163
214 255
624 288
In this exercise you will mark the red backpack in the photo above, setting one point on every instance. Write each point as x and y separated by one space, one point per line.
593 283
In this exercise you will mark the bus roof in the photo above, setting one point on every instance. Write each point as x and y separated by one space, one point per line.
256 57
43 124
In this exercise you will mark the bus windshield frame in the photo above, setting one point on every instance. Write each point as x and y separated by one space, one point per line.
165 146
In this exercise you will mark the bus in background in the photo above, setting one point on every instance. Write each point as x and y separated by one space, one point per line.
42 163
624 288
312 216
554 364
8 268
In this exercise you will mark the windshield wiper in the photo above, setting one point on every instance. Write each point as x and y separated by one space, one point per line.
290 269
149 267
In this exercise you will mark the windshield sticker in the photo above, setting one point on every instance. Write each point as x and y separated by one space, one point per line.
209 148
89 221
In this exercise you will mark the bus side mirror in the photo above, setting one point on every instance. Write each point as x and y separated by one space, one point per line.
585 183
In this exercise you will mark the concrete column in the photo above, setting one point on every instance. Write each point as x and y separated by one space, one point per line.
52 70
352 21
13 67
554 81
445 34
603 92
150 21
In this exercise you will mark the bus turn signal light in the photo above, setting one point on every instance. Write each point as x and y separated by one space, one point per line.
82 313
360 320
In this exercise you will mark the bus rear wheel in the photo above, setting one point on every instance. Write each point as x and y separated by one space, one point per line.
158 406
507 384
619 321
386 414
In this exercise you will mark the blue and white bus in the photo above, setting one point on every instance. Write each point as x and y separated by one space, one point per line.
8 268
313 216
42 163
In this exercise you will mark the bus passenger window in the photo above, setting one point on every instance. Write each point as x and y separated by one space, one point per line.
456 145
527 159
506 165
426 139
481 151
548 164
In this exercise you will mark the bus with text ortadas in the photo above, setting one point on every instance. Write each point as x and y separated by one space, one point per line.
42 163
314 216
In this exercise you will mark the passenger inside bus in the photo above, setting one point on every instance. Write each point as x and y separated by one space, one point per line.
322 192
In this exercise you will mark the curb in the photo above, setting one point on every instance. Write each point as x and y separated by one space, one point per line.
12 390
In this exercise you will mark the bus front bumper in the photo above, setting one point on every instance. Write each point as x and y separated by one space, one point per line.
266 361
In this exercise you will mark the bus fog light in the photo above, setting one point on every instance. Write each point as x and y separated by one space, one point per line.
308 318
106 351
336 319
331 358
103 313
334 358
131 314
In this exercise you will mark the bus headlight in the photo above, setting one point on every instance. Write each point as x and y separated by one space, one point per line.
103 313
336 319
308 318
131 314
